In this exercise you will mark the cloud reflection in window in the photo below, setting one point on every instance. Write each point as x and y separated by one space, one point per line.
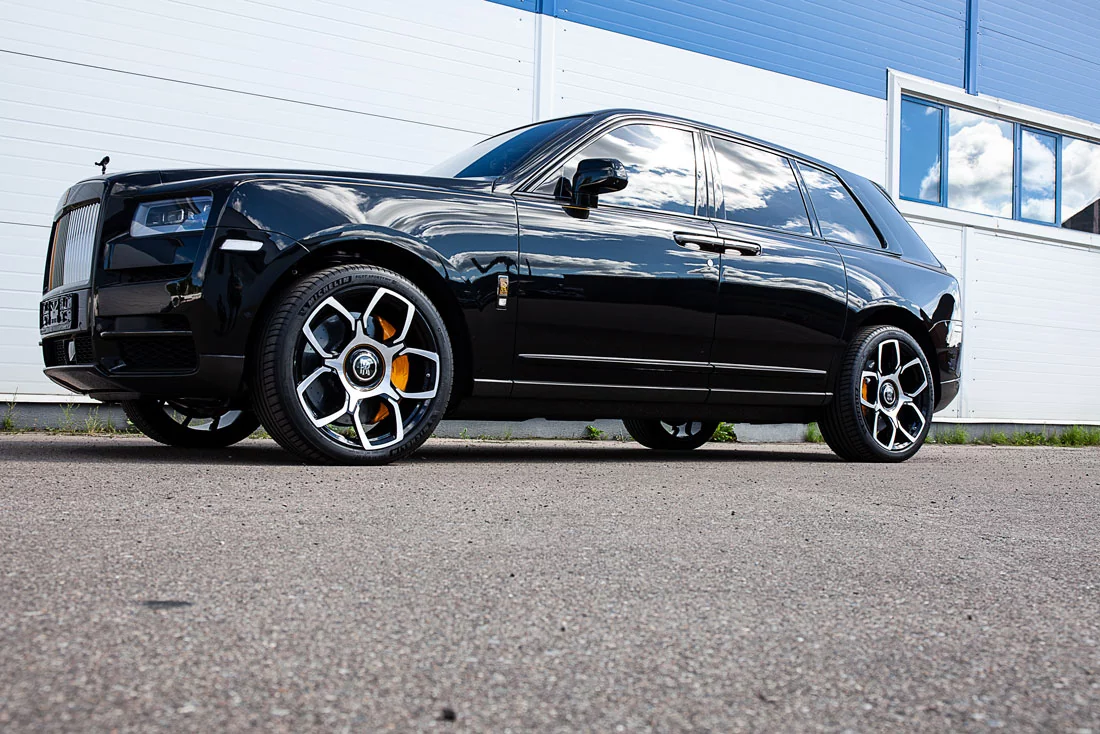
660 166
979 163
1037 173
1080 184
759 188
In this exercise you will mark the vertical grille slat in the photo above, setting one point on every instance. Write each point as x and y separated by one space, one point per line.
74 246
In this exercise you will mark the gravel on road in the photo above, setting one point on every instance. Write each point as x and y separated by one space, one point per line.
547 586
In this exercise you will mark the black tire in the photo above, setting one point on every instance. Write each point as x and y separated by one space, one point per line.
889 362
300 380
670 435
178 425
831 441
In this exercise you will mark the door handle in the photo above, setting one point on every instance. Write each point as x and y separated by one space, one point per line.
694 241
743 247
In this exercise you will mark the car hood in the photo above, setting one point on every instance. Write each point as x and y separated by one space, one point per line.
177 179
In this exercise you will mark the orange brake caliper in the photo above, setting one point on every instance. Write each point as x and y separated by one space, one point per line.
400 375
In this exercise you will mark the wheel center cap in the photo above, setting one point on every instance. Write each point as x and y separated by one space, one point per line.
364 367
889 394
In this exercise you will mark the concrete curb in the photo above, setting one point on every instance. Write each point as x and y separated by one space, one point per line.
100 417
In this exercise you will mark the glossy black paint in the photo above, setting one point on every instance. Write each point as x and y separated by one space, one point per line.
612 311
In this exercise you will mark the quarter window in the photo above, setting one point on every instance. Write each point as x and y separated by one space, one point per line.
838 214
759 188
660 166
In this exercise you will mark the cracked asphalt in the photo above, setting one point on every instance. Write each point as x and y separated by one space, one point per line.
544 586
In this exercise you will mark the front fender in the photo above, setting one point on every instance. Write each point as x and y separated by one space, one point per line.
467 237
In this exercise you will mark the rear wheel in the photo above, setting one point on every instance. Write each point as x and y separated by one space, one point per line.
354 367
176 424
670 435
883 405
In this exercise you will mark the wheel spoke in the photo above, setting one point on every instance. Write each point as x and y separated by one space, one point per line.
410 312
398 422
307 329
306 384
431 391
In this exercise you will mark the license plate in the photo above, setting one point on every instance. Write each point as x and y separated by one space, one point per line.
58 313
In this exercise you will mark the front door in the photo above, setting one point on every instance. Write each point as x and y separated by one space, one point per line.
782 299
616 302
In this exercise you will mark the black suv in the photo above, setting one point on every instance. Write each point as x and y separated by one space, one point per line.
616 264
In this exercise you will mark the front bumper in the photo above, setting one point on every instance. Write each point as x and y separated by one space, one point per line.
208 380
150 339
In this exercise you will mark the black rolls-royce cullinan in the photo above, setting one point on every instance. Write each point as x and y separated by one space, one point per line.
616 264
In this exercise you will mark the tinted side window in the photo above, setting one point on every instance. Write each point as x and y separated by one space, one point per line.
759 188
837 212
660 165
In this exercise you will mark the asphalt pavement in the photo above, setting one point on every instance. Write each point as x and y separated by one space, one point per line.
547 586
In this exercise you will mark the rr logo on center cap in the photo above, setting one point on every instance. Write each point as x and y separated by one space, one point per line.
365 366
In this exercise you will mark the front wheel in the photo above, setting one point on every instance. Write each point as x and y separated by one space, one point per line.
176 424
354 367
883 405
670 435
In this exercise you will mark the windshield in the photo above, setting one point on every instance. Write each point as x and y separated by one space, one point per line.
496 156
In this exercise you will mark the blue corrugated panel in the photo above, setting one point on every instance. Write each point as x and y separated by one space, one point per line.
843 43
1042 54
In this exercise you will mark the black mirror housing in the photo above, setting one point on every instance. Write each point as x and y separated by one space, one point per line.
597 176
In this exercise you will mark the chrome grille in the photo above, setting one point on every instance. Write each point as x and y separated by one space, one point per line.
74 246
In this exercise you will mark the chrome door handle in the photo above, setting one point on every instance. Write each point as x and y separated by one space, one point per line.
695 242
743 247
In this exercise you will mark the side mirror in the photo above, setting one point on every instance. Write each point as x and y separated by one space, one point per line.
597 176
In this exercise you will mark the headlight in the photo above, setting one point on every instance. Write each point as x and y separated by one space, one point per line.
171 215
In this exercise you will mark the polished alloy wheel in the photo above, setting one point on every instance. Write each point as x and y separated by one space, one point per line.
882 406
673 434
192 426
687 429
353 366
895 395
367 368
199 420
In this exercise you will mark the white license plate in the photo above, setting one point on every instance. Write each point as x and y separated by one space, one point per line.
58 313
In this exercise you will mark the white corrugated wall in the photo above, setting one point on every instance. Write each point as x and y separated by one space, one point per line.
398 86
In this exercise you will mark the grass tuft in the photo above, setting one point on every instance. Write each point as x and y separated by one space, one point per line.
1079 436
591 433
955 436
724 434
813 434
8 422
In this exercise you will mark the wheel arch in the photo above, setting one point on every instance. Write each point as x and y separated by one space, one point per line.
401 258
902 318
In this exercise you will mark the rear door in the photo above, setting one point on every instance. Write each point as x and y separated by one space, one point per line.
617 302
782 297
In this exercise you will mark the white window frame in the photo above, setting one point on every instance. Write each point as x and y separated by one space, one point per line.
901 84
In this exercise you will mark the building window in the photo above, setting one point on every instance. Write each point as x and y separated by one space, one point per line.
964 160
1080 190
979 163
1038 176
922 133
